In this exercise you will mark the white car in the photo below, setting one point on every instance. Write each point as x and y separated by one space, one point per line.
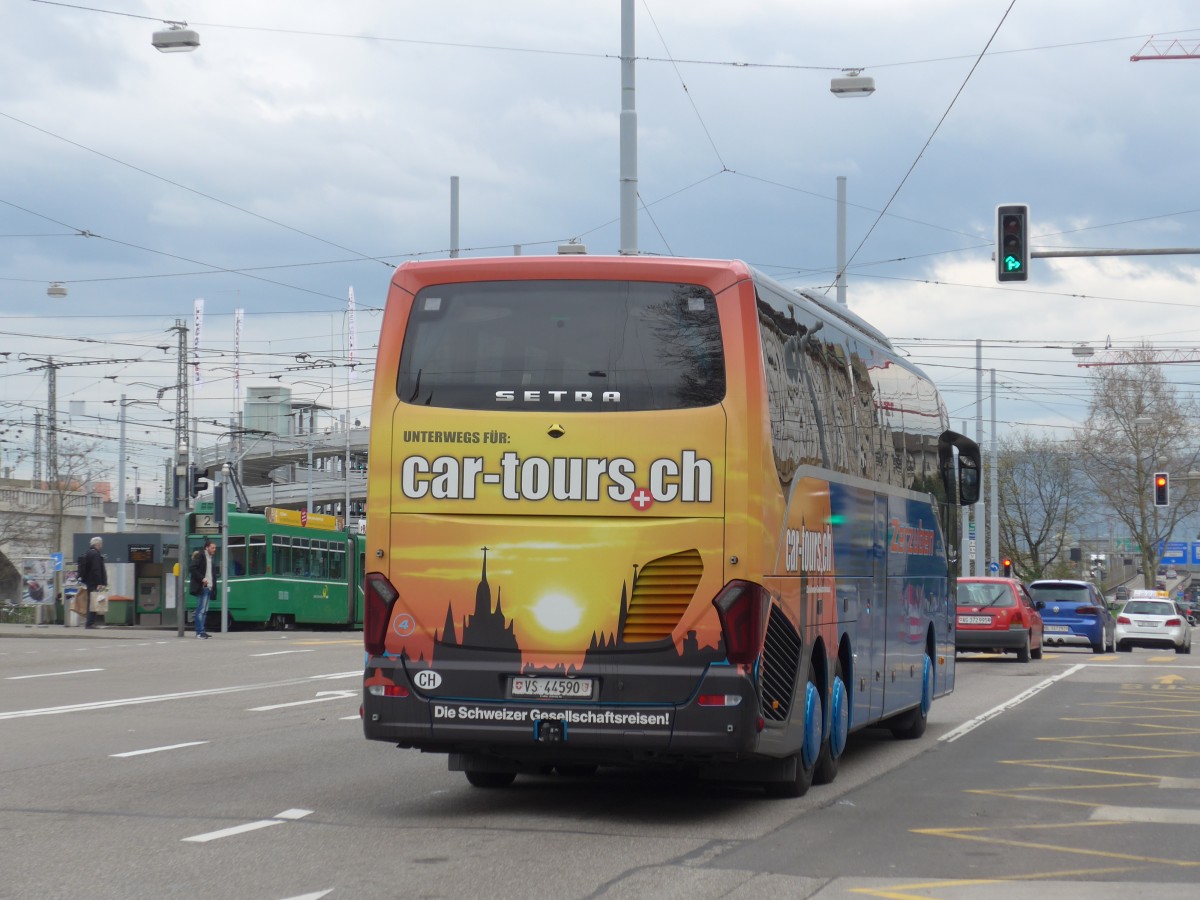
1153 623
1171 573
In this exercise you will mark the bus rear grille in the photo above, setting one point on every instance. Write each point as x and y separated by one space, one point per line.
780 661
661 594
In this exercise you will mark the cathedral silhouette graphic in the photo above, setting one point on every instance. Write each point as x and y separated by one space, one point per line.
485 634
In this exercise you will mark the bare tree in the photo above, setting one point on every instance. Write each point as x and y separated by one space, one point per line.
1041 503
77 470
1137 425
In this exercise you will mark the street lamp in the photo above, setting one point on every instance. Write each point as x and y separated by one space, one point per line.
852 84
175 38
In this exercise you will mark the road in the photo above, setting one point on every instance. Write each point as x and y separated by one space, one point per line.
140 765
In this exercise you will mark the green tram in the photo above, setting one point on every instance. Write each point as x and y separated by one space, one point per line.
286 568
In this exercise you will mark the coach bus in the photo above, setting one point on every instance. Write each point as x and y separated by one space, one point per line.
632 511
285 568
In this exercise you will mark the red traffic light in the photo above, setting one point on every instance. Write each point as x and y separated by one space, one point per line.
1162 489
1006 565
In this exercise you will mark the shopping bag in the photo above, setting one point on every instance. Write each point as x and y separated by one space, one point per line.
100 604
79 604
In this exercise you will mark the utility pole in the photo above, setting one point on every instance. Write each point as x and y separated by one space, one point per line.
181 404
628 173
52 368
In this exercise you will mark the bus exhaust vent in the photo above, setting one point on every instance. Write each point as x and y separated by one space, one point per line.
780 662
661 595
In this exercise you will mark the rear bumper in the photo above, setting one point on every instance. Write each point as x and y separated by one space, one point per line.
1132 637
989 640
521 733
1081 635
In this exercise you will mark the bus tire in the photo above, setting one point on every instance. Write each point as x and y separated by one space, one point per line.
577 770
480 779
839 722
911 725
810 748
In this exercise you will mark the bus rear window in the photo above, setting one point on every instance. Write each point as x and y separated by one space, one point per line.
567 345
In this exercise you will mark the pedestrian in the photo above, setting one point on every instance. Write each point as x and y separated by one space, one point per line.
201 570
94 578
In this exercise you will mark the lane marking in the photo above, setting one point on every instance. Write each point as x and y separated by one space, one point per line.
50 674
317 895
321 697
129 753
282 652
1180 783
159 698
971 724
1157 816
286 815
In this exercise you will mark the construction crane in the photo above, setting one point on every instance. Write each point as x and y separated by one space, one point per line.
1165 49
1161 358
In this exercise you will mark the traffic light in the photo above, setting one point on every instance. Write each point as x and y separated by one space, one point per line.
1162 489
1012 242
198 481
1006 565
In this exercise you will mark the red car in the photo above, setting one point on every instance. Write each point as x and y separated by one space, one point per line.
997 615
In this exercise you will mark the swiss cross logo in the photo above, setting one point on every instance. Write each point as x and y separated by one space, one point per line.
642 500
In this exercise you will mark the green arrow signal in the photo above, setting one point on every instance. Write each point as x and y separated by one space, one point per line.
1011 263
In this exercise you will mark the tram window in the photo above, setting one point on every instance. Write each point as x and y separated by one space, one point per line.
257 556
300 562
337 563
237 555
281 555
320 559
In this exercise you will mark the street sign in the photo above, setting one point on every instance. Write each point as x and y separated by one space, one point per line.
993 567
57 558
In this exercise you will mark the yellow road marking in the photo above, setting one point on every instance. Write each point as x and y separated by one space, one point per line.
961 834
1170 679
892 893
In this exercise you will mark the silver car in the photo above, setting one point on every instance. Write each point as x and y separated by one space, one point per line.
1153 623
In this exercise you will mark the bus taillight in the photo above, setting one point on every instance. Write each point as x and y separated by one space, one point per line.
377 614
742 608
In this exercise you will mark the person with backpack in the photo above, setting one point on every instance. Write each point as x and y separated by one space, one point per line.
201 571
93 576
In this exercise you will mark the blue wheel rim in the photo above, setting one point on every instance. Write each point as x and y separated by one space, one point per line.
927 687
839 713
812 725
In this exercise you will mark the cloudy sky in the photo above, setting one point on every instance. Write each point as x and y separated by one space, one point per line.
307 148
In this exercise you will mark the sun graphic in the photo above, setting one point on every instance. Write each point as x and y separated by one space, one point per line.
557 612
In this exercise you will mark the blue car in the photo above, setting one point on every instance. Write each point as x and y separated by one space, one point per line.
1075 613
